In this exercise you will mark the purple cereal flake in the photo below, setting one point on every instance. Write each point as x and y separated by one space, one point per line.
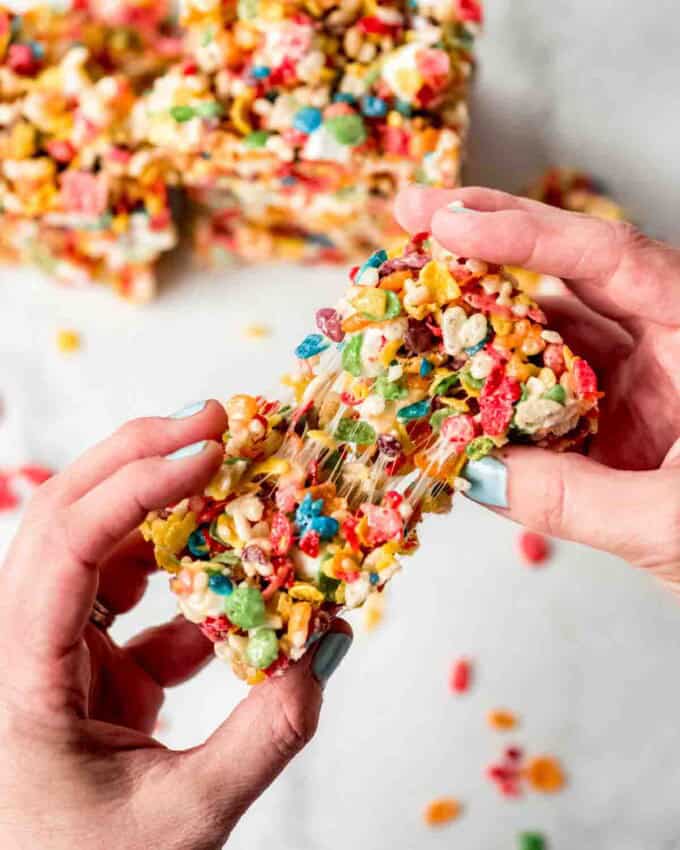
254 554
400 264
389 446
418 337
328 321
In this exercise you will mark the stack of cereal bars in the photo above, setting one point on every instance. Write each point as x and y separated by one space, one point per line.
287 124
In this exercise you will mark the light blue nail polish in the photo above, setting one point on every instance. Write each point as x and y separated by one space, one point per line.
332 649
187 451
456 207
189 410
489 481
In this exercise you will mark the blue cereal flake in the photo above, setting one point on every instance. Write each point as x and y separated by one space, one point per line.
414 411
376 259
476 348
373 107
426 368
260 72
307 119
344 97
325 526
220 584
374 578
309 517
197 545
311 345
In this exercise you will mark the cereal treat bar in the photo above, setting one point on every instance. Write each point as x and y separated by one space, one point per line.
428 363
293 122
576 191
76 196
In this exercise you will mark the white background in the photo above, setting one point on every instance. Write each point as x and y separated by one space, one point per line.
587 651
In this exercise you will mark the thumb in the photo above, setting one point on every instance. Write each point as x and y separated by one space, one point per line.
635 515
261 736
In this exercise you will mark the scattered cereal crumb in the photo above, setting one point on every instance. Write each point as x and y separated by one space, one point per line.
502 720
506 774
442 811
8 498
531 841
374 611
534 548
35 473
257 331
460 676
68 341
544 774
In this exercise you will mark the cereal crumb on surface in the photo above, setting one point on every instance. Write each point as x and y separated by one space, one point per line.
442 811
544 774
502 720
256 331
535 549
68 341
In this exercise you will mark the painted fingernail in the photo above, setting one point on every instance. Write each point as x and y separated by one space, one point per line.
332 649
189 410
459 207
187 451
488 479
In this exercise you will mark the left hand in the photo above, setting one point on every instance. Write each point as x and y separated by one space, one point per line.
79 766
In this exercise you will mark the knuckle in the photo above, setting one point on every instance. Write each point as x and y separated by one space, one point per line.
552 510
138 434
293 726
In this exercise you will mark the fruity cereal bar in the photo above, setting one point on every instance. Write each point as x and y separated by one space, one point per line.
76 196
294 122
428 363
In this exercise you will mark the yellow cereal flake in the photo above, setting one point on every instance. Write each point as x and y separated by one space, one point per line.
437 278
298 623
272 466
442 811
68 341
306 592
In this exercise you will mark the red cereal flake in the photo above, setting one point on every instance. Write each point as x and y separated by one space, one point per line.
216 629
534 548
460 676
585 380
384 523
309 544
553 358
496 415
281 534
506 774
8 498
470 10
459 431
35 474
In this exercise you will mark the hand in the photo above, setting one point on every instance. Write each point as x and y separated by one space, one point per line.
621 311
79 767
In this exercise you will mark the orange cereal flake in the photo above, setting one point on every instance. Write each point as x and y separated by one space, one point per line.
442 811
256 331
502 720
544 774
374 611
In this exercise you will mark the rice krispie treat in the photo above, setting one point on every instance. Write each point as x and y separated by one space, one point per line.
429 363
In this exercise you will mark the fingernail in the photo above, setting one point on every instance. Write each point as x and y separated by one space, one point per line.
189 410
187 451
488 478
330 653
459 207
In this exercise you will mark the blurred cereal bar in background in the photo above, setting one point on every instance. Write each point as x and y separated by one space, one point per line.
292 124
77 196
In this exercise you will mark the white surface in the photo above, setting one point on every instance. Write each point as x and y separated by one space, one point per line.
585 651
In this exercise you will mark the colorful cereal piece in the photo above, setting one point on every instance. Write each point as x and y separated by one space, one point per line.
544 774
68 341
501 720
460 676
534 548
531 841
442 811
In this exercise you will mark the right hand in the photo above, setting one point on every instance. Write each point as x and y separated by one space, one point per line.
622 313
